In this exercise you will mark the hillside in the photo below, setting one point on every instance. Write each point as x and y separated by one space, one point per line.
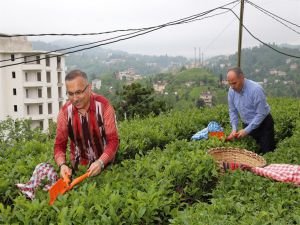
178 90
189 84
279 74
99 61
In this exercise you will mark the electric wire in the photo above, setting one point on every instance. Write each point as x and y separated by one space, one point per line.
172 23
223 30
176 22
264 10
262 42
107 32
139 32
275 17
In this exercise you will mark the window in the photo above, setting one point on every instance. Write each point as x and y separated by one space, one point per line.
48 77
59 92
27 93
49 108
40 109
38 59
28 110
40 93
60 104
47 60
49 93
14 91
58 62
15 108
13 74
59 77
39 76
12 57
26 76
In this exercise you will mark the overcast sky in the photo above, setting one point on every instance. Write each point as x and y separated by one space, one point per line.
216 35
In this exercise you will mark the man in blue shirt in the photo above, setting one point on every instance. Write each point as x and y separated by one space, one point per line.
247 99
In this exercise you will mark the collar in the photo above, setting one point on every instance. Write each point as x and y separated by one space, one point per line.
92 103
244 87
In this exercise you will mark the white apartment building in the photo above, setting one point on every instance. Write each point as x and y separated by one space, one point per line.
96 84
33 89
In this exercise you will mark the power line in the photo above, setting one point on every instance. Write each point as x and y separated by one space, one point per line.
275 17
76 46
256 38
173 80
223 30
262 9
143 31
107 32
62 54
147 30
136 31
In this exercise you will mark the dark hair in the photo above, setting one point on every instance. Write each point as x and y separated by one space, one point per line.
74 74
237 70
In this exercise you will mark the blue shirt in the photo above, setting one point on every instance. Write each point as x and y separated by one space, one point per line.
250 104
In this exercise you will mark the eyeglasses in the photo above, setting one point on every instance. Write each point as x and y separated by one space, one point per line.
76 93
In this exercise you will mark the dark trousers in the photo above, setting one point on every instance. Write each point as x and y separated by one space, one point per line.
264 134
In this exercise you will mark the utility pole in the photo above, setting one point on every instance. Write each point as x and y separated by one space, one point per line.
240 33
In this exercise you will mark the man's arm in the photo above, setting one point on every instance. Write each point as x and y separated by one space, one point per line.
61 139
233 112
261 110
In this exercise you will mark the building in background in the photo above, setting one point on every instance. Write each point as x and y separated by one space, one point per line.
128 75
96 84
34 87
207 98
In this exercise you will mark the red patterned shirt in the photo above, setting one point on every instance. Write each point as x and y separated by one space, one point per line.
98 139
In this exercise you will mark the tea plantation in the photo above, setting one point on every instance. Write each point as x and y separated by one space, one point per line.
160 176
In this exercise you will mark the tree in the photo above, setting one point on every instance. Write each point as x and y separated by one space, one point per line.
18 130
138 100
200 103
220 80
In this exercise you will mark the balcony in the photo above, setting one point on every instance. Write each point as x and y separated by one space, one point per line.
35 117
33 84
32 67
33 100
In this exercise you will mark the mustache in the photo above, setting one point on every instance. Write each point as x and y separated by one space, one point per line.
75 102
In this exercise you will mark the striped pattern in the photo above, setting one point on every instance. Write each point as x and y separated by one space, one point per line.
101 140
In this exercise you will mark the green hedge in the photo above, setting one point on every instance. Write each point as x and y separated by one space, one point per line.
161 177
244 198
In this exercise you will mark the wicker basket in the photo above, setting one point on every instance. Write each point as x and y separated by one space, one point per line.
236 155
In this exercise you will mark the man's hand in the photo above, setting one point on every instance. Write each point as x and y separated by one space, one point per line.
65 172
232 135
241 133
95 168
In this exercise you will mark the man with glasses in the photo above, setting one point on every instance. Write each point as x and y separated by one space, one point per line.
89 121
247 99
